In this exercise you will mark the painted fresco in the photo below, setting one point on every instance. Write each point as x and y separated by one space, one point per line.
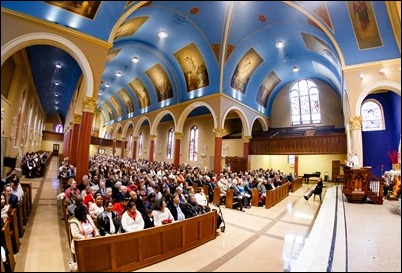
130 27
193 67
141 92
269 83
364 24
87 9
113 101
245 69
161 82
127 100
109 110
315 44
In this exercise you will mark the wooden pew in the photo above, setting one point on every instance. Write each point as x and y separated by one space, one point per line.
229 198
206 188
27 187
16 237
134 250
20 218
6 237
275 196
296 184
217 195
255 195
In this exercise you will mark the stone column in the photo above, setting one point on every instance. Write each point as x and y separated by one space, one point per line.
114 147
218 150
123 147
246 149
176 151
151 147
356 137
74 139
134 147
88 107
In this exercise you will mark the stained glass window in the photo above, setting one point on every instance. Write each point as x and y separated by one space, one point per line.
372 116
140 143
305 103
193 144
169 147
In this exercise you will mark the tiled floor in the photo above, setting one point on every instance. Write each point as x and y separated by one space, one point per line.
259 239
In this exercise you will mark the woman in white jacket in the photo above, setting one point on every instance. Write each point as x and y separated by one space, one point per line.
131 219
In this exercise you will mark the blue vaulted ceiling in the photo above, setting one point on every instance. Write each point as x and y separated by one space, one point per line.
207 50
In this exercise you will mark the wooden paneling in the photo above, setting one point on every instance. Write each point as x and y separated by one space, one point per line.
300 145
133 250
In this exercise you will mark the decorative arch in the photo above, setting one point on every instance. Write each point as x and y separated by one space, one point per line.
139 123
116 131
126 126
36 38
191 107
246 125
262 122
375 86
158 118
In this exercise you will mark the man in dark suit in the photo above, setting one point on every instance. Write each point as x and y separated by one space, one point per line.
11 198
317 190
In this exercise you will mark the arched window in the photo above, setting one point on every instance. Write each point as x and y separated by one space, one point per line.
169 146
305 103
59 128
193 144
373 116
140 143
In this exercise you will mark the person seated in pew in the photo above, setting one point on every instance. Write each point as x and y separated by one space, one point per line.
148 218
175 207
108 220
161 213
5 208
16 187
262 191
201 199
132 219
11 198
242 194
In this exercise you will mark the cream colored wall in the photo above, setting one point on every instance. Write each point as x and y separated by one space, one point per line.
330 102
48 145
307 163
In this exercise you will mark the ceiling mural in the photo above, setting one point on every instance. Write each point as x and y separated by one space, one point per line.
193 67
141 92
87 9
245 69
364 24
269 83
123 94
161 82
167 52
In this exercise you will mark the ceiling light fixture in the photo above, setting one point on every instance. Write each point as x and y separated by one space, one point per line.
361 76
162 34
295 69
100 93
135 60
381 71
107 85
280 44
57 83
58 65
118 74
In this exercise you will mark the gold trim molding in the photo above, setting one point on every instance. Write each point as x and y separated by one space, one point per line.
88 104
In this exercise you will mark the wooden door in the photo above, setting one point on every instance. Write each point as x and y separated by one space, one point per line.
336 169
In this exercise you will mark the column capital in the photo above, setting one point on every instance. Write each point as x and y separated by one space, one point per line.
246 139
88 104
135 138
219 132
178 135
356 122
77 118
152 137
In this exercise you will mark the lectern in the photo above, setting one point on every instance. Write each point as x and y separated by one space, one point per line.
357 183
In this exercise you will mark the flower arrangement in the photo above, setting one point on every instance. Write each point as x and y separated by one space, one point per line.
393 156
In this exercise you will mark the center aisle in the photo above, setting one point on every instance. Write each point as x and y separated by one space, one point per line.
44 246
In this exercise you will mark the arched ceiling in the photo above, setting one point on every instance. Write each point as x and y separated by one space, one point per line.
211 47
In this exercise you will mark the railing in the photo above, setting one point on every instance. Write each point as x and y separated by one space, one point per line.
133 250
